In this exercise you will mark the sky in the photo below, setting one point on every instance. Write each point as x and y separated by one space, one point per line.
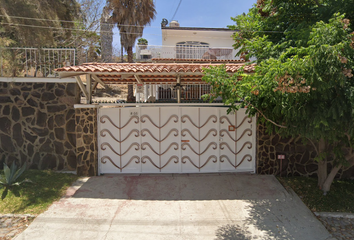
191 13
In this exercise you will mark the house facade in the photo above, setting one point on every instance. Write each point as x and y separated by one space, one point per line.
190 43
167 130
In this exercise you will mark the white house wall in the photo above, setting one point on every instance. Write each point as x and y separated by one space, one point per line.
215 39
170 37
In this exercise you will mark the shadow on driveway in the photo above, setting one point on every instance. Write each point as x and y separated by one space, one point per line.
186 206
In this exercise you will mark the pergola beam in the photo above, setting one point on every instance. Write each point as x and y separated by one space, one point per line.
138 79
82 86
98 80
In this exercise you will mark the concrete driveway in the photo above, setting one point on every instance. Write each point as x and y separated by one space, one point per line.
198 206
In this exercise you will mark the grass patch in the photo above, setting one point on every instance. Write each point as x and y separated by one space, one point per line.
35 198
339 199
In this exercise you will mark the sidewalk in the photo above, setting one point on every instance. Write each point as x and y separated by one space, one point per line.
199 206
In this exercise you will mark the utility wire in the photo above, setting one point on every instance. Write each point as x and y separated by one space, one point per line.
77 29
179 4
67 21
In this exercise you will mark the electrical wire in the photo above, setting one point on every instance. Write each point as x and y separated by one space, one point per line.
87 30
179 4
67 21
77 29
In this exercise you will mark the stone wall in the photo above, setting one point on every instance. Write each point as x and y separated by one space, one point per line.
86 142
299 157
37 124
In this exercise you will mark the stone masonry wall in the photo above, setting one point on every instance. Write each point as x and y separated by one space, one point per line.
299 157
37 124
86 142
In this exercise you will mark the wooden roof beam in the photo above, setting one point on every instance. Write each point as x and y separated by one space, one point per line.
82 86
138 79
97 79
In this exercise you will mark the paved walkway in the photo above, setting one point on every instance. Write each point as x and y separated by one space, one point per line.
11 224
199 206
341 228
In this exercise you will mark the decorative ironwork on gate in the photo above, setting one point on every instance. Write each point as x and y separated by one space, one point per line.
175 140
159 139
198 152
119 153
235 140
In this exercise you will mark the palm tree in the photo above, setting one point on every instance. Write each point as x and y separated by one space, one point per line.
131 16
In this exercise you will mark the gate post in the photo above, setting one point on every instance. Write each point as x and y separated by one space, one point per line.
86 140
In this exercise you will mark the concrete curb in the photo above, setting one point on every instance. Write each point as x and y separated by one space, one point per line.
75 186
334 214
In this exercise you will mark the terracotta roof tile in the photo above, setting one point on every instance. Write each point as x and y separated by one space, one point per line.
152 67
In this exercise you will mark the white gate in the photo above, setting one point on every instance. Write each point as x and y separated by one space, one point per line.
175 140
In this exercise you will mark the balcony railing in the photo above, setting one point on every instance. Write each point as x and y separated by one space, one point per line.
34 62
148 52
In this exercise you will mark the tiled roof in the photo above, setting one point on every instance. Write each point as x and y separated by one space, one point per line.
151 68
183 60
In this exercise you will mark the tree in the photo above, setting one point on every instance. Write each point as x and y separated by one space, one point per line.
142 41
85 37
106 35
303 82
38 23
131 17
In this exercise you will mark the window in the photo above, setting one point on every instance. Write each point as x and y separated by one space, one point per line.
191 49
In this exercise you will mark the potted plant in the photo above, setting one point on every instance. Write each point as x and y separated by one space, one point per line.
142 43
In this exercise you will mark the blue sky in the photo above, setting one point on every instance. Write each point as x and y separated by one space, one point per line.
192 13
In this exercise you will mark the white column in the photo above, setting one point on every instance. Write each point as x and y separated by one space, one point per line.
146 92
157 92
153 88
137 96
179 89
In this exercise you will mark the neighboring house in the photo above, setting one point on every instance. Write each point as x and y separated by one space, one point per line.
190 43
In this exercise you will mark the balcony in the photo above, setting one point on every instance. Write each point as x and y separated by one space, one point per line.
149 52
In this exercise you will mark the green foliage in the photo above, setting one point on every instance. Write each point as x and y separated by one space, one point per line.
339 199
131 17
303 82
284 23
47 186
8 179
36 23
142 41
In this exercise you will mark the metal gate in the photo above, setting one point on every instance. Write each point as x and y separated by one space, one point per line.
175 140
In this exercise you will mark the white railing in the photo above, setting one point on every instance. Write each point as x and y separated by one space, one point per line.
162 93
34 62
146 53
168 92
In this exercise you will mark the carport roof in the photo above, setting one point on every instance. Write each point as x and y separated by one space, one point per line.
122 73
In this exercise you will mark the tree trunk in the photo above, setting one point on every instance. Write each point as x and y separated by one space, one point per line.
130 54
327 184
322 164
121 53
130 97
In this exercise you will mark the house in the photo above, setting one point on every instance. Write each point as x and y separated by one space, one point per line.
43 123
190 43
177 132
186 45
